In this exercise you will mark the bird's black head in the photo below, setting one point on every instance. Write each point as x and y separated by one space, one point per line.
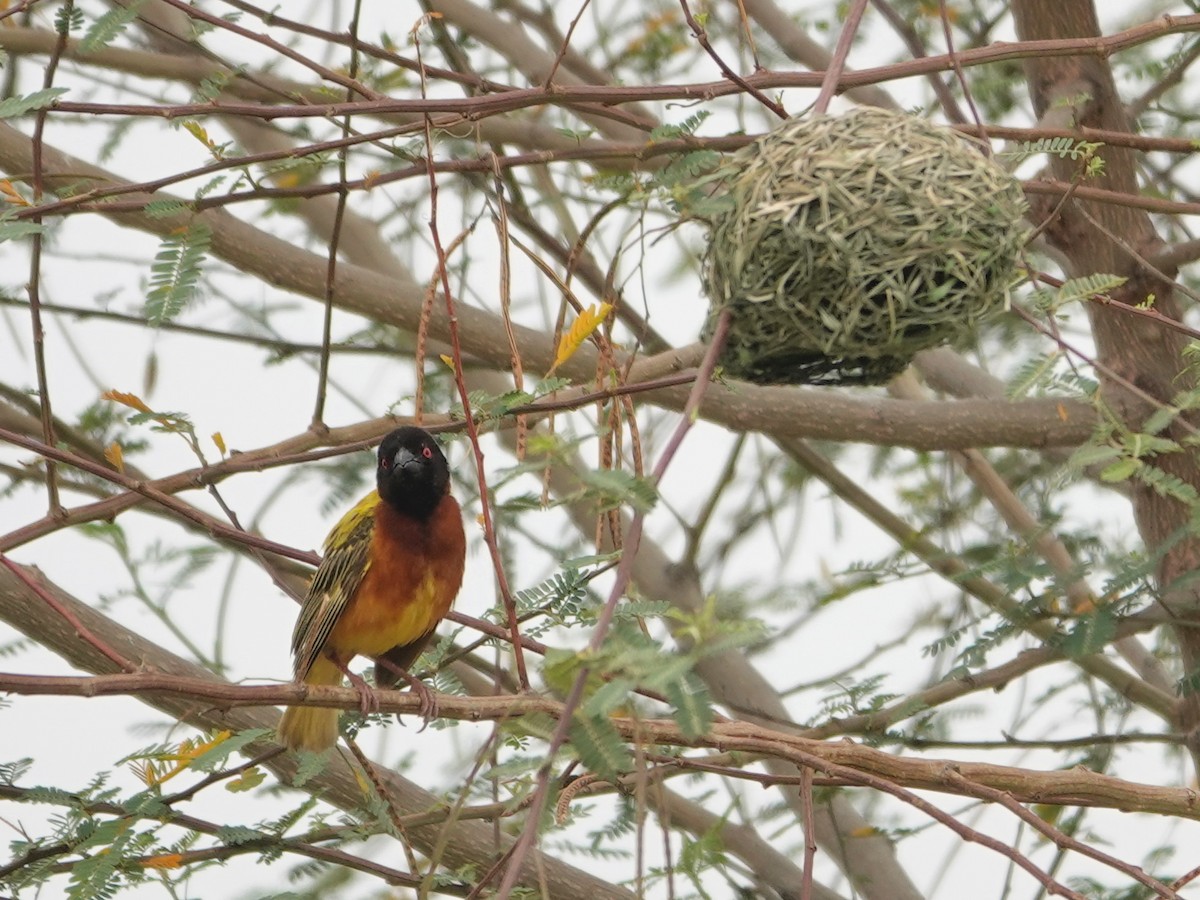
412 475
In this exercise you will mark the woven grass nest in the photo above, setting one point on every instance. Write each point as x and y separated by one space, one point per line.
846 244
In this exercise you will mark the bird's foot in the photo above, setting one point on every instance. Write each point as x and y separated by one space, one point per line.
427 704
368 702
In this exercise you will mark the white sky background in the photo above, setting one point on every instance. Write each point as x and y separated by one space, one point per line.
227 388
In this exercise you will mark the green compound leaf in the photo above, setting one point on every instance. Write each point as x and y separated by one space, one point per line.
175 273
599 746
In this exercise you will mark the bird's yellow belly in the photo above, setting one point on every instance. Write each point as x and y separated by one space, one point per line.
379 619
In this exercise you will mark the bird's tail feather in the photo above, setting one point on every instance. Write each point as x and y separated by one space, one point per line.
312 727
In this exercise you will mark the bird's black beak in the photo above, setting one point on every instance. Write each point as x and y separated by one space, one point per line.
405 459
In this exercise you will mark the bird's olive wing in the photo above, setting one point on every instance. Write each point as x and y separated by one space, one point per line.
347 558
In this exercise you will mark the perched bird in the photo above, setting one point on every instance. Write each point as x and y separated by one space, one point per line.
392 568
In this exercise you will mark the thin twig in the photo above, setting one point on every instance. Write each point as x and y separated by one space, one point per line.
904 29
80 629
275 345
372 775
948 34
145 489
837 65
548 81
35 269
1057 836
318 416
810 832
1095 363
701 36
502 235
274 46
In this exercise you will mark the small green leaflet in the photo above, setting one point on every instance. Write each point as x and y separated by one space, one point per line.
18 106
175 273
616 486
108 27
232 835
162 209
1091 634
1093 455
12 230
608 697
1096 285
599 746
1121 470
693 709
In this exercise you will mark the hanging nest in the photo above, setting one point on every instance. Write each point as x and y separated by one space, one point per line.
846 244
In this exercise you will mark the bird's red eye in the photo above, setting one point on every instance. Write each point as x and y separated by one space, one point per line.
427 452
385 462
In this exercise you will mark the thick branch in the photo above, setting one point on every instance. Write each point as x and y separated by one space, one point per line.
198 689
